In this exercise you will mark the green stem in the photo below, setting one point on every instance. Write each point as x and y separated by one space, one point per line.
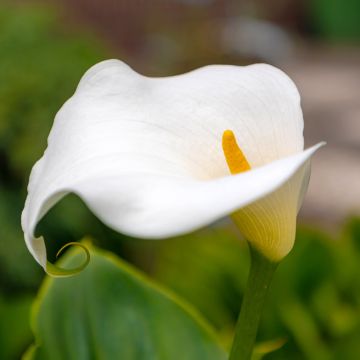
261 272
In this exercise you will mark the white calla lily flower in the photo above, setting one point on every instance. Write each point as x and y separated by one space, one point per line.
148 155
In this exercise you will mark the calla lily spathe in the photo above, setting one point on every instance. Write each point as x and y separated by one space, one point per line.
145 154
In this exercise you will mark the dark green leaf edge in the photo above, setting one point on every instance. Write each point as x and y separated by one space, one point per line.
137 274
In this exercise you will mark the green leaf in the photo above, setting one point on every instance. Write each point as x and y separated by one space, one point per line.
111 311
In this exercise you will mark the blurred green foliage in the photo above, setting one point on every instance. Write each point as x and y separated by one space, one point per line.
15 333
336 20
40 66
314 301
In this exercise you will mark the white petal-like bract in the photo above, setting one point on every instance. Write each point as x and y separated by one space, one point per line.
145 153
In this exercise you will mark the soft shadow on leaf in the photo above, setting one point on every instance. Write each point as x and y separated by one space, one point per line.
111 311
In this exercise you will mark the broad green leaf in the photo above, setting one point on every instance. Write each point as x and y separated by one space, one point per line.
111 311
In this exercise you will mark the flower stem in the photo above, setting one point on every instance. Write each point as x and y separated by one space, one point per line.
261 272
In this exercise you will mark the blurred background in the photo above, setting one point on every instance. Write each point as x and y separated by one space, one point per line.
46 46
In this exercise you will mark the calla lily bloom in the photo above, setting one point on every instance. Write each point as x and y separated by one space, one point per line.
159 157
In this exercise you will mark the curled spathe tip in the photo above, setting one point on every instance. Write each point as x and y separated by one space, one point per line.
59 272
